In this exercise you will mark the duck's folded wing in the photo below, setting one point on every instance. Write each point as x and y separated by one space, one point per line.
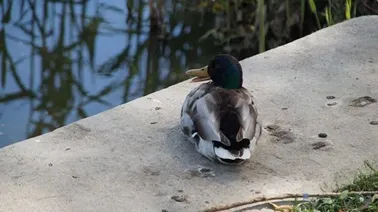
206 119
200 106
250 125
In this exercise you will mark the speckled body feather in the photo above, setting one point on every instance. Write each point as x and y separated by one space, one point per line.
221 122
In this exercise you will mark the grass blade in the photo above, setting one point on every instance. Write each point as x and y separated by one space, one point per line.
348 5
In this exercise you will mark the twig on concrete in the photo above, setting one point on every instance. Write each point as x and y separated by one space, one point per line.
264 199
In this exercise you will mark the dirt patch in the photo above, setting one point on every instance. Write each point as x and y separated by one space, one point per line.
280 135
73 131
362 101
321 145
151 171
200 171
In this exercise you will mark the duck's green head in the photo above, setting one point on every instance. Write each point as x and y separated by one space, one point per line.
224 70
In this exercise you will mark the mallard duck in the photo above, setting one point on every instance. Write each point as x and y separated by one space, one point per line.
220 116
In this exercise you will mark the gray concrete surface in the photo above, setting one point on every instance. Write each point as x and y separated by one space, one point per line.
119 161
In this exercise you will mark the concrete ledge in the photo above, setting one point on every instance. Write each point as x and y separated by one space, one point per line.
119 161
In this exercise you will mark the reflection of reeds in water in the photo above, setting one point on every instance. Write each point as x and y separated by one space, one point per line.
62 39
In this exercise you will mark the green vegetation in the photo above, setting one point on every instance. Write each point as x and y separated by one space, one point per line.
344 202
353 197
363 181
248 27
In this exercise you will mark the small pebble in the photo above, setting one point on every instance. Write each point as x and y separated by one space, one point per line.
67 149
204 170
284 108
154 122
332 104
164 210
180 191
50 164
322 135
180 198
73 176
331 97
374 122
157 108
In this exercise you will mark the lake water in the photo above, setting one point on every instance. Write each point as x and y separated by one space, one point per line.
64 60
61 62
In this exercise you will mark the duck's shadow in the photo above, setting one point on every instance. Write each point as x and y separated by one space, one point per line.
184 153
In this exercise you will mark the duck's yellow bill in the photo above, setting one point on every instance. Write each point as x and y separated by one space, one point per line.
199 74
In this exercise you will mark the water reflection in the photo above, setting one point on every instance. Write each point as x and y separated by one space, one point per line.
65 60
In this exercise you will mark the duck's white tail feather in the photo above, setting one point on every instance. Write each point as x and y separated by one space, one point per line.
225 154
